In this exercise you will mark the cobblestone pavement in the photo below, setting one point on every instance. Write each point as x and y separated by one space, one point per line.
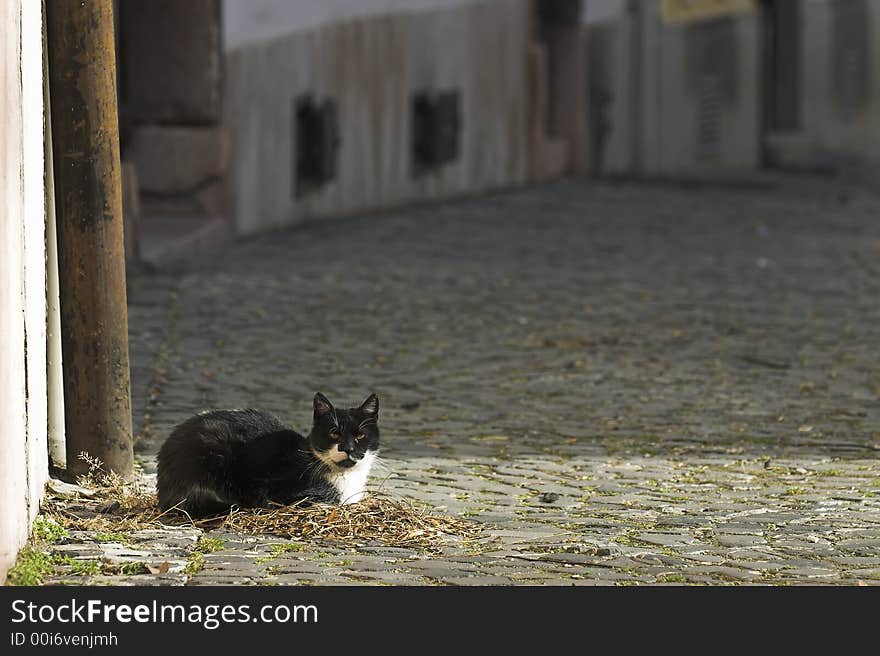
627 384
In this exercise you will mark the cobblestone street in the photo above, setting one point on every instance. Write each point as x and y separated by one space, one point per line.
627 384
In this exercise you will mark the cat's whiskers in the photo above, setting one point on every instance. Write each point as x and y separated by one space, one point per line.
386 478
382 464
315 466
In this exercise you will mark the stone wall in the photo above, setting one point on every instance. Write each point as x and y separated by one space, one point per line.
370 68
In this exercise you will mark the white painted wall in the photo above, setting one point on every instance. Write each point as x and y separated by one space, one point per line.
614 93
597 11
13 458
250 21
831 134
23 401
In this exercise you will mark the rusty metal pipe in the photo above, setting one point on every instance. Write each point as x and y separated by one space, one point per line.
91 253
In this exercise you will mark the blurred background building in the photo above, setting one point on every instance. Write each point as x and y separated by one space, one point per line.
238 116
243 116
273 112
684 88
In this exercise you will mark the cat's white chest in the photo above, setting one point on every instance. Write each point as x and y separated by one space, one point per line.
352 483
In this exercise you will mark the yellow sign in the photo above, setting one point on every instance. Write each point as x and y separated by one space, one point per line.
683 11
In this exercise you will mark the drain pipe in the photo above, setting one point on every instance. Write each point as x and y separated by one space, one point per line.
91 254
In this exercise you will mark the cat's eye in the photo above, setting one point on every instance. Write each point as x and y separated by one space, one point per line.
360 436
334 435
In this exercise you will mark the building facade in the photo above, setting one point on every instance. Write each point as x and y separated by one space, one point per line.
409 102
675 88
708 87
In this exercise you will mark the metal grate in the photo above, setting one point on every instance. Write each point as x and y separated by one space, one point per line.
712 74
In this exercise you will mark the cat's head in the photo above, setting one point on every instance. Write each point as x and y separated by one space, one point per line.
342 437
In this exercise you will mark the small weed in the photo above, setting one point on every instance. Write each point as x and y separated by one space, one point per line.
195 563
83 567
133 568
209 545
111 537
277 550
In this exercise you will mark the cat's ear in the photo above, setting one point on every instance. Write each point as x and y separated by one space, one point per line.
371 405
322 406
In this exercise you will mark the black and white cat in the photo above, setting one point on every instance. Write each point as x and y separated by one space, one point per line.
248 458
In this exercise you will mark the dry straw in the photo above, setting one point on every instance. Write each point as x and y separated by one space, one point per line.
381 519
112 505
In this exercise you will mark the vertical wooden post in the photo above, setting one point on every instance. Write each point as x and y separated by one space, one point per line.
91 253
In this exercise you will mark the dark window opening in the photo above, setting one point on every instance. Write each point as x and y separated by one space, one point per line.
436 124
316 131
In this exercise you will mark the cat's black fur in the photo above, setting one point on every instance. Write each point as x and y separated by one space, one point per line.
249 458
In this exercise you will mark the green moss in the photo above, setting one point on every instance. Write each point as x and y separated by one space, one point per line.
195 563
84 567
277 550
288 547
48 530
209 545
31 567
132 568
111 537
672 578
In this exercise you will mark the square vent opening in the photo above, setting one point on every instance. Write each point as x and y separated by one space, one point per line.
436 128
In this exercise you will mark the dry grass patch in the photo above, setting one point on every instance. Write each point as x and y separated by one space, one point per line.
114 506
377 519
